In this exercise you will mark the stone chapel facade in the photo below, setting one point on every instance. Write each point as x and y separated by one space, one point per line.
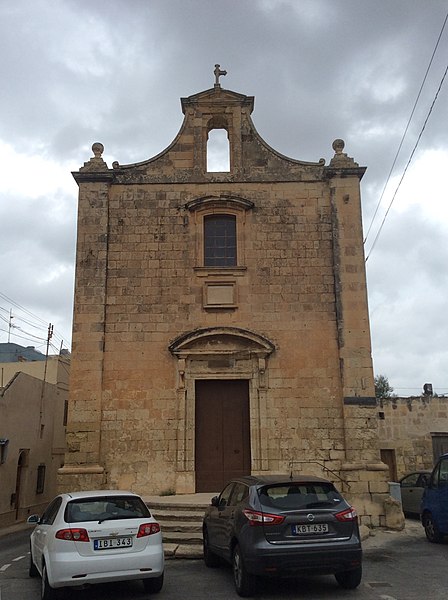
220 321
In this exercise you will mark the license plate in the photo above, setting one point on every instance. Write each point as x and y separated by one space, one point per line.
312 528
107 544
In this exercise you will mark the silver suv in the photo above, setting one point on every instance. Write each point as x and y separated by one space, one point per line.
279 526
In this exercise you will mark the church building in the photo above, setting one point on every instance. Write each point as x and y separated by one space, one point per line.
220 321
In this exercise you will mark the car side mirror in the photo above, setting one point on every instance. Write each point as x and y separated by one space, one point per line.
34 519
215 501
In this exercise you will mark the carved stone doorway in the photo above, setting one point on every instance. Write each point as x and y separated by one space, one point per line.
236 362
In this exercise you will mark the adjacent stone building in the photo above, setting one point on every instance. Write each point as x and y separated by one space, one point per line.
412 432
33 402
220 322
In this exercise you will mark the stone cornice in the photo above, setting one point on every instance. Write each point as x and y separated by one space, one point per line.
93 176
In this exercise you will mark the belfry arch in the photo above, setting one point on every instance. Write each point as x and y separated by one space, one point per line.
221 354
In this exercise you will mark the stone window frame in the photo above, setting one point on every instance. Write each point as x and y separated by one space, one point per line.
202 207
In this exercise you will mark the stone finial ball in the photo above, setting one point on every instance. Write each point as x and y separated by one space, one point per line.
338 146
97 149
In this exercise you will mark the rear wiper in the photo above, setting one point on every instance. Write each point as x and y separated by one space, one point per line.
115 517
320 503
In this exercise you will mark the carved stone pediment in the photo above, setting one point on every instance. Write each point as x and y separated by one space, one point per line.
215 97
213 341
223 201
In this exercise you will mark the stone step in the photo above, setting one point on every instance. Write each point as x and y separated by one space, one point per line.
177 515
182 537
181 523
174 526
176 507
182 551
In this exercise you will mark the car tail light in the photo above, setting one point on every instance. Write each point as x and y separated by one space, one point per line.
348 514
261 518
148 529
73 535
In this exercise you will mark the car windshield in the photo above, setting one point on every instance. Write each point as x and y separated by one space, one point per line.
105 508
295 496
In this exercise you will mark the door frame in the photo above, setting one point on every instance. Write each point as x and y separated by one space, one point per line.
221 353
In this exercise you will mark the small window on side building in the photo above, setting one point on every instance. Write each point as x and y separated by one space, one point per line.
4 442
40 479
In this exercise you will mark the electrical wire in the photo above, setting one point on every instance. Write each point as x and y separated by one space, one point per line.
408 163
21 336
406 129
39 324
22 308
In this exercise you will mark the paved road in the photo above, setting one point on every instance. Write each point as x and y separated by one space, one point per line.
397 566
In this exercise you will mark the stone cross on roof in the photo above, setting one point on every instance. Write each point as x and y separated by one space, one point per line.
218 74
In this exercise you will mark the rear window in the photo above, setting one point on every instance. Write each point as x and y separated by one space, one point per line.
105 508
300 495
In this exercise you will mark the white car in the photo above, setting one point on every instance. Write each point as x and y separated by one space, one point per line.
96 537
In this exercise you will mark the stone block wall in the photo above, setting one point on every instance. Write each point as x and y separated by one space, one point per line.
290 317
408 425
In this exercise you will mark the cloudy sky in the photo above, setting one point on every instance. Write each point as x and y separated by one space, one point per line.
74 72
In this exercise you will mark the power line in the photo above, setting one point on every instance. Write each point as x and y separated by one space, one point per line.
406 129
11 326
408 163
25 310
27 333
21 336
38 323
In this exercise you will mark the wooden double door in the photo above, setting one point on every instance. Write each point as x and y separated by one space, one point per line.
222 436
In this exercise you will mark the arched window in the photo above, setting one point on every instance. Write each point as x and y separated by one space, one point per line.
220 240
218 151
218 232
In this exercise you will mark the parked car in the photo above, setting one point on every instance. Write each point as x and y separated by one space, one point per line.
96 537
280 526
434 509
412 486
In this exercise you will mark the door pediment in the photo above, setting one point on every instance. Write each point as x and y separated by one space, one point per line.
212 341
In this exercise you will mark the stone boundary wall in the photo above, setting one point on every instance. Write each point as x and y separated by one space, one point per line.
406 424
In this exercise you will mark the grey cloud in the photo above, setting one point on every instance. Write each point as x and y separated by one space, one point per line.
75 72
